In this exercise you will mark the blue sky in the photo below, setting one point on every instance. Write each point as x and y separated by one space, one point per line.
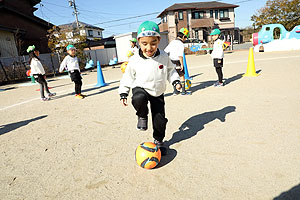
100 14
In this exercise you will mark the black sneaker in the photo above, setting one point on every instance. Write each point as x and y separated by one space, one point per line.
162 147
176 92
142 124
186 93
51 94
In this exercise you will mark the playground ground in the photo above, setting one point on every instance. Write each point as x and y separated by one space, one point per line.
240 141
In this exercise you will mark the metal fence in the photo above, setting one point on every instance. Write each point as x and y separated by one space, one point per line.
14 68
102 55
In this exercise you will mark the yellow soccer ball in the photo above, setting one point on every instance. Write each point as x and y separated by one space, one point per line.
123 66
188 84
147 155
129 54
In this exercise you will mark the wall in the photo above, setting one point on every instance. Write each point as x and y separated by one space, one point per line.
7 44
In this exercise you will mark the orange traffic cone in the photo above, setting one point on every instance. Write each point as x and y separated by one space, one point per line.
251 66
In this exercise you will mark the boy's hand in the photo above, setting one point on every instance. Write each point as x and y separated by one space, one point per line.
124 102
181 68
178 87
124 99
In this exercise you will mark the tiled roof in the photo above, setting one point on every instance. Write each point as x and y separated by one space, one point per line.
197 6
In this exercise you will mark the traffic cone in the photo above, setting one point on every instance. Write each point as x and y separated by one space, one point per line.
186 72
251 66
100 78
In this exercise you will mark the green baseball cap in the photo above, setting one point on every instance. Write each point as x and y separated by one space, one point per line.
30 48
148 29
70 46
216 32
133 40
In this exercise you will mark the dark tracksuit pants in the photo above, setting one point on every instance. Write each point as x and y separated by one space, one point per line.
76 78
43 84
218 63
140 99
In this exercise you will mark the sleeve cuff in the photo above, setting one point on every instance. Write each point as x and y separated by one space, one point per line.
123 96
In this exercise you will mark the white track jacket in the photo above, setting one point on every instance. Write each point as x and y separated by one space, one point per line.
148 73
36 67
218 49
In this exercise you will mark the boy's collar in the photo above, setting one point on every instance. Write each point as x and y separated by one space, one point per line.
157 53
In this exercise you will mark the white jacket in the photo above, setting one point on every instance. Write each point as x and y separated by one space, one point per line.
148 73
218 49
69 63
36 67
176 49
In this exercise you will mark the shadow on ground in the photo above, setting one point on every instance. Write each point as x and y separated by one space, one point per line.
292 194
193 125
13 126
172 153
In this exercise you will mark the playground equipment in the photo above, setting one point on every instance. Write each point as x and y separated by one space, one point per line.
266 34
198 47
100 78
113 61
89 65
251 66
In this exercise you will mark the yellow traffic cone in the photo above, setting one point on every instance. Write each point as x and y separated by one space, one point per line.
251 66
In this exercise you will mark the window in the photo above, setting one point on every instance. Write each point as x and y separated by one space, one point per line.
99 33
216 14
180 15
198 15
196 34
90 33
224 13
211 13
164 19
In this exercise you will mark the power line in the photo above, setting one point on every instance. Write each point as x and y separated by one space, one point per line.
56 5
117 20
127 23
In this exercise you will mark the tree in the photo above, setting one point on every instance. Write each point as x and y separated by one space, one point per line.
285 12
59 39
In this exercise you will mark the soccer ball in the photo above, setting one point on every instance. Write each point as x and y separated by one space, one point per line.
188 84
147 155
123 66
28 72
129 54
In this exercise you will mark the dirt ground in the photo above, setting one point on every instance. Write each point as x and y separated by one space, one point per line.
240 141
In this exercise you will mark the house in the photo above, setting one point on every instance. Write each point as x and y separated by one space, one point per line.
19 28
91 32
199 18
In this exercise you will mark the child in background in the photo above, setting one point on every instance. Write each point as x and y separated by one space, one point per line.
218 55
133 46
38 72
147 73
176 50
71 64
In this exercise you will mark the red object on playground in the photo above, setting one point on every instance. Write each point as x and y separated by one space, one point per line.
28 72
39 89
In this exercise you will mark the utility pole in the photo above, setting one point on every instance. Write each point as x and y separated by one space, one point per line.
73 5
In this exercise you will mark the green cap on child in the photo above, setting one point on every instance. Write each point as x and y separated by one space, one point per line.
148 29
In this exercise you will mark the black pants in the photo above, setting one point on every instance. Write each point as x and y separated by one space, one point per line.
140 100
220 74
218 63
76 78
43 84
